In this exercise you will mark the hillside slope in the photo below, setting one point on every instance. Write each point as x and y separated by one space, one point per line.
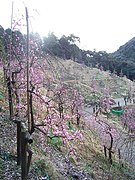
51 163
50 158
126 51
85 78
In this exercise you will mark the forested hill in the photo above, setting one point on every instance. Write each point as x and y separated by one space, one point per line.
122 62
125 59
126 51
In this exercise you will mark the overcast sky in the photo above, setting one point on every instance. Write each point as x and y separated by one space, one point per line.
100 24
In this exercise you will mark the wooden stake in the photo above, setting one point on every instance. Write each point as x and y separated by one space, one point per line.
18 142
29 159
24 155
105 153
9 76
110 156
28 101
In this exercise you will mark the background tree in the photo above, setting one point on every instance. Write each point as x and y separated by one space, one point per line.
51 45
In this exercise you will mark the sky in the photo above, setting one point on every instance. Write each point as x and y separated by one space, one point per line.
103 25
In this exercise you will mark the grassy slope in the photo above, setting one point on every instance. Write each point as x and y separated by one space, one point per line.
81 76
91 163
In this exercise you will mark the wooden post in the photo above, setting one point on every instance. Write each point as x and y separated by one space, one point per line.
119 154
105 153
9 68
23 156
31 111
10 97
29 159
18 142
28 83
110 156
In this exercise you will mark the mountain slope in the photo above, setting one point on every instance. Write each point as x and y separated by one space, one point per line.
83 78
126 51
51 159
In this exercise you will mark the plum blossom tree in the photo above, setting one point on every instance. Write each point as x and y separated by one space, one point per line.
128 119
49 114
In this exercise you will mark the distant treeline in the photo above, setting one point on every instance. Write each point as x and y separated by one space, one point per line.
65 47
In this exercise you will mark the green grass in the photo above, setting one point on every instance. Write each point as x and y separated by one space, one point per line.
40 167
